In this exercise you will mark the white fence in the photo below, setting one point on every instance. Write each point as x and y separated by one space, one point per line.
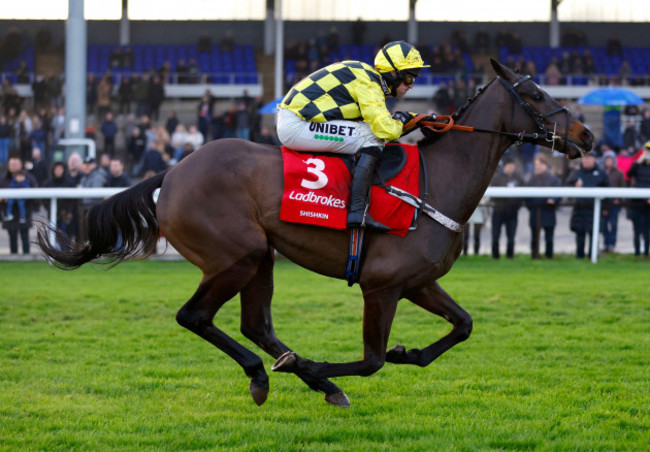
598 194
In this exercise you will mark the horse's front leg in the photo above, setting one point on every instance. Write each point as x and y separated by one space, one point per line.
434 299
378 313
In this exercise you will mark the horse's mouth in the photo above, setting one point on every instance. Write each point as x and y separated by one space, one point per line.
576 150
576 144
573 151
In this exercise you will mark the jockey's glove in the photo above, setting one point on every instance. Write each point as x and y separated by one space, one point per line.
425 130
403 116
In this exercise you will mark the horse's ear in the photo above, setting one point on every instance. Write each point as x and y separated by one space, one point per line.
504 71
501 70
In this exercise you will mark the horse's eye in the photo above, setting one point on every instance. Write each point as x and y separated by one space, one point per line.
538 96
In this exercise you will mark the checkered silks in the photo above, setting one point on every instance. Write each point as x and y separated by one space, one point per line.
331 93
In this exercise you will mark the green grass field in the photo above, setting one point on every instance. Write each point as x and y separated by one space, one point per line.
559 360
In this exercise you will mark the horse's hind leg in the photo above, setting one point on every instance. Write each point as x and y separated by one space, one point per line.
378 311
198 313
434 299
257 325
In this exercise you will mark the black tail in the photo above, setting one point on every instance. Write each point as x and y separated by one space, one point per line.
120 228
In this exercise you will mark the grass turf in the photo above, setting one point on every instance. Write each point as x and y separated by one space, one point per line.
558 360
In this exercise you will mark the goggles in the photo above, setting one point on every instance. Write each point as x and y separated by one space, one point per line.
408 79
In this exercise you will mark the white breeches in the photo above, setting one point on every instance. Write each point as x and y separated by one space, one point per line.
338 136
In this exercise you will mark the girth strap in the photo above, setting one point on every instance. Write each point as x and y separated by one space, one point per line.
426 208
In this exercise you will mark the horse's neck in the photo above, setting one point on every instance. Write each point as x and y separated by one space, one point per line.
461 164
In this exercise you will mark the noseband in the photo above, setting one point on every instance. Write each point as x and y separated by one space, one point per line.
539 118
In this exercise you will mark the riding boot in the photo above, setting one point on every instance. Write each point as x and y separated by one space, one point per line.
361 180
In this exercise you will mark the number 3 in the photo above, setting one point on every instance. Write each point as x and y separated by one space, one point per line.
317 170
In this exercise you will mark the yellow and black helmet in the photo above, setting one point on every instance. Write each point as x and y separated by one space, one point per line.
401 57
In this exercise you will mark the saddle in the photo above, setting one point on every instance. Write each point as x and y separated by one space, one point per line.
316 187
392 161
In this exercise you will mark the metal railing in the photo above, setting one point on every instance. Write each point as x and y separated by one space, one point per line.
597 194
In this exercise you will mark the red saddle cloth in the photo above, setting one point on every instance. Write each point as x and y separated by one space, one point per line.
317 190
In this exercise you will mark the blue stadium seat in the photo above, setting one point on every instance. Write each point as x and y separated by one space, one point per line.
580 80
93 65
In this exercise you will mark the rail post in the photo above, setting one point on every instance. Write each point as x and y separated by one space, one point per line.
595 237
53 216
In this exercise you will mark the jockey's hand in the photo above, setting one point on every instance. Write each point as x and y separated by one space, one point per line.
403 116
408 120
425 130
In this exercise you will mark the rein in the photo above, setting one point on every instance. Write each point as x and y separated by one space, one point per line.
520 137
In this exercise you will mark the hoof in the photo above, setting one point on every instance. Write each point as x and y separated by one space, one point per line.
396 354
259 393
338 399
285 363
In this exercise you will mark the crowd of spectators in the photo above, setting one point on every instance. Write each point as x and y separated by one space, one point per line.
135 141
450 57
312 54
573 64
150 144
464 58
319 51
132 149
187 71
124 118
129 135
143 94
602 167
137 147
577 62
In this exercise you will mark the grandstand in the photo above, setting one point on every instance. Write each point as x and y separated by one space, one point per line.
9 68
240 67
250 66
155 42
215 65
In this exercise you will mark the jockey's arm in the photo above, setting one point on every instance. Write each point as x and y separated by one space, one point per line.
372 104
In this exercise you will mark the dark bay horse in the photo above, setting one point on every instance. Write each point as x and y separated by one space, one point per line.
220 209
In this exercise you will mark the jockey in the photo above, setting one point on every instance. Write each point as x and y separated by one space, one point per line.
341 108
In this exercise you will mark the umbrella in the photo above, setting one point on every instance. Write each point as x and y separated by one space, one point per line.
270 108
611 97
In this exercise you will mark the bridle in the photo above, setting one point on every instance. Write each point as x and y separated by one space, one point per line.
543 133
539 118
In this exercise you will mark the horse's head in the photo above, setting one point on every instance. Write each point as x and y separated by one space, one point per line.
555 124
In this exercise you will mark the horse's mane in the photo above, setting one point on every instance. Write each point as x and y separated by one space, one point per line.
433 136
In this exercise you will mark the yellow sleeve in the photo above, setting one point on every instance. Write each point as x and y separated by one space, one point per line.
372 104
